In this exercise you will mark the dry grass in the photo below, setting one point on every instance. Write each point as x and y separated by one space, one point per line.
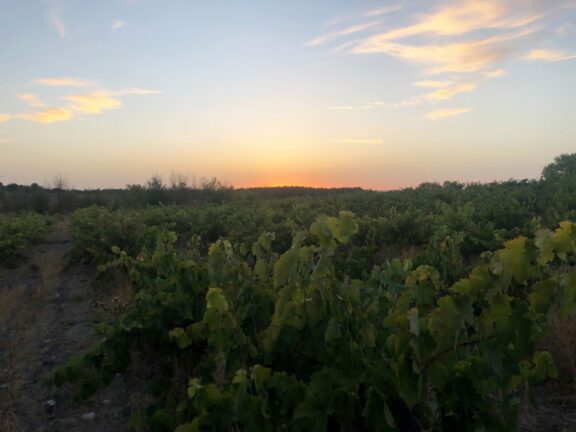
10 391
37 281
9 299
555 409
114 297
561 343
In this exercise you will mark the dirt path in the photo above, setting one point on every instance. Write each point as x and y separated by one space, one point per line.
46 313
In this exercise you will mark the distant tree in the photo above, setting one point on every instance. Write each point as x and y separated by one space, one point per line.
40 202
563 166
213 184
453 185
60 184
155 182
135 195
429 185
179 181
155 189
559 187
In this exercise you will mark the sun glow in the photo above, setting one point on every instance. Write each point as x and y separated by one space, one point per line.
375 94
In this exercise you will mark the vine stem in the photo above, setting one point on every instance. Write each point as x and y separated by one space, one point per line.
426 363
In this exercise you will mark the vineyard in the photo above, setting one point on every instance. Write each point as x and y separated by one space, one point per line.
288 216
18 233
425 309
289 342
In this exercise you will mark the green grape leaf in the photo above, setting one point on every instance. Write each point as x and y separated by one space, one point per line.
194 386
543 241
216 300
475 286
501 310
332 330
343 227
321 229
193 426
541 296
563 239
284 266
444 321
544 366
513 261
369 335
181 336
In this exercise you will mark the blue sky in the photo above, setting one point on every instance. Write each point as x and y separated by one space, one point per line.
379 94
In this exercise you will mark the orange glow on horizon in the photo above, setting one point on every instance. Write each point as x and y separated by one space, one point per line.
282 183
308 183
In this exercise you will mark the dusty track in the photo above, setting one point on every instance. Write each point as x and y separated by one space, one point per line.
46 314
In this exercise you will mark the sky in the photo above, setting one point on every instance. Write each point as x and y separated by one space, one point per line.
380 94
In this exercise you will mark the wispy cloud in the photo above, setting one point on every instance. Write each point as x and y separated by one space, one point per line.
5 140
101 100
138 91
449 92
118 24
465 42
443 91
563 29
447 112
465 36
58 24
55 17
454 88
64 82
31 100
334 35
466 16
383 10
93 103
378 104
49 115
378 12
549 55
451 57
433 84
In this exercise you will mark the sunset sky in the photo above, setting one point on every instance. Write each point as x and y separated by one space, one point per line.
377 94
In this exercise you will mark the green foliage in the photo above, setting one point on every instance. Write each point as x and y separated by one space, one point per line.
18 232
287 340
563 166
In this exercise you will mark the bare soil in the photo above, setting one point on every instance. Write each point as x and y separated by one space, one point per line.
47 308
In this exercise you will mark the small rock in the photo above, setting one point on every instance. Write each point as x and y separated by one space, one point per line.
106 402
89 416
50 407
